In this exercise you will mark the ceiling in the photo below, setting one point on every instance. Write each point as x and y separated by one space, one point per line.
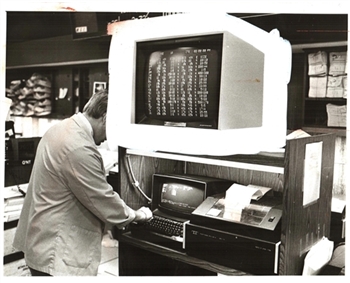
297 28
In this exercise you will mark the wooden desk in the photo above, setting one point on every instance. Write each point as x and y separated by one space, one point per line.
303 224
140 257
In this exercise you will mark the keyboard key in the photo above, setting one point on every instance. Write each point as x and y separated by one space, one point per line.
165 226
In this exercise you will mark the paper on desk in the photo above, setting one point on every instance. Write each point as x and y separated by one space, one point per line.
318 256
12 191
338 205
297 134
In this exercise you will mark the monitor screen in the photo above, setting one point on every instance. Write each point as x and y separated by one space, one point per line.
180 197
27 149
21 149
178 81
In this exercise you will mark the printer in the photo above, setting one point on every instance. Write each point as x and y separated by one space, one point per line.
247 240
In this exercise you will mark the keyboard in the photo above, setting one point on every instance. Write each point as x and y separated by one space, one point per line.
165 226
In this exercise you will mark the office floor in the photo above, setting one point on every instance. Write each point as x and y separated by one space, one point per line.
109 262
108 265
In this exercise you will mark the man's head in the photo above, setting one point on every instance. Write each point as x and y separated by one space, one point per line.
95 111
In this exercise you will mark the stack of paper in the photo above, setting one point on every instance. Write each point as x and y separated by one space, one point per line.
318 63
337 63
335 87
318 70
336 115
318 86
13 201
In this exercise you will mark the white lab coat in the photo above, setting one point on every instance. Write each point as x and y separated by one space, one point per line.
67 203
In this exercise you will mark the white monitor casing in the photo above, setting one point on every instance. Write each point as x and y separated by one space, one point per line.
255 71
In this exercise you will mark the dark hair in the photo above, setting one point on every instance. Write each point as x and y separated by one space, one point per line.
96 107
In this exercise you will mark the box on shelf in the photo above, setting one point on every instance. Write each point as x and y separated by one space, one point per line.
336 115
336 86
337 63
318 86
318 63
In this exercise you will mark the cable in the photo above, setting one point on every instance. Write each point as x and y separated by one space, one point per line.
135 183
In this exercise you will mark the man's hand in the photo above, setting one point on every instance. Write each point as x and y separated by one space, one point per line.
143 214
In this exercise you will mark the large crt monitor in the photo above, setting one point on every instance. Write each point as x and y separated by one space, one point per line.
186 84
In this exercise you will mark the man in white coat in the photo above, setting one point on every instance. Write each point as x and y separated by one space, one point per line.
69 201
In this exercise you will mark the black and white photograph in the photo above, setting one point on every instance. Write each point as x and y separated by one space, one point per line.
190 139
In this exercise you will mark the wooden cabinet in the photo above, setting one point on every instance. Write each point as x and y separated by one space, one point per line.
325 90
303 223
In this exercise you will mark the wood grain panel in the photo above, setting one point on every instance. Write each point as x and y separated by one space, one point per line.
241 176
303 226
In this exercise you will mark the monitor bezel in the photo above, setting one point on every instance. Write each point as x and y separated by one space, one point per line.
145 48
157 186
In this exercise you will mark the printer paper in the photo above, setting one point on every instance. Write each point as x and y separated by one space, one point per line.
236 199
238 196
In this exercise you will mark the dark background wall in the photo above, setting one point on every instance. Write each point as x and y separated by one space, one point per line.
35 38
